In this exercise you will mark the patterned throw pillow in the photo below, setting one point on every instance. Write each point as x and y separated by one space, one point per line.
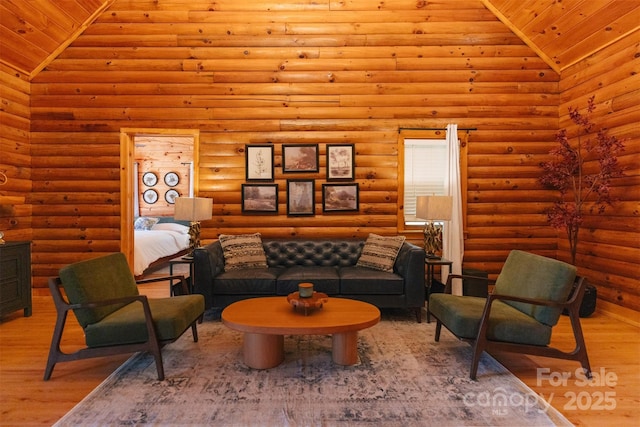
243 251
145 223
379 252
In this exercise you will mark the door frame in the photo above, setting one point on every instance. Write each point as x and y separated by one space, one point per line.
127 152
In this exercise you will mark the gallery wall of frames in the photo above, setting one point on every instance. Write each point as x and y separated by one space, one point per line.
163 165
301 166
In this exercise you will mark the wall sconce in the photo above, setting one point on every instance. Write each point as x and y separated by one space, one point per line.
193 209
431 209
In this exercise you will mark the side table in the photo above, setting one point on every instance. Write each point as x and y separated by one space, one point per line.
431 263
182 260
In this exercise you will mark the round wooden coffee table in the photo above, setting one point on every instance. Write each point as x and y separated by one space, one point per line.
265 322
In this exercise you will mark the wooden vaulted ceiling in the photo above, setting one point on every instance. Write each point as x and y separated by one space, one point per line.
562 32
34 32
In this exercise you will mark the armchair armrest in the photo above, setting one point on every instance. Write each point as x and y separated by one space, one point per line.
184 287
572 303
447 287
63 306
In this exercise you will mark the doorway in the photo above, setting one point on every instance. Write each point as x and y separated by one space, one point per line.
132 200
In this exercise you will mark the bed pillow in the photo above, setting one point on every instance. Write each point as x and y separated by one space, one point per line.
145 223
243 251
171 226
379 252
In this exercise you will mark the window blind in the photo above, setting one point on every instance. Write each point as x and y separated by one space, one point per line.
425 172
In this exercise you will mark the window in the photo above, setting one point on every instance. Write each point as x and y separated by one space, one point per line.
425 173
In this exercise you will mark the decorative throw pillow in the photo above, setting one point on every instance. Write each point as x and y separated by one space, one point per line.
379 252
145 223
243 251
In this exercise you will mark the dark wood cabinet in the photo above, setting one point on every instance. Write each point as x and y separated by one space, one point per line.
15 277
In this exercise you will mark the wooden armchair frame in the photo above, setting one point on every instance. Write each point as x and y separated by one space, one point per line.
152 345
482 343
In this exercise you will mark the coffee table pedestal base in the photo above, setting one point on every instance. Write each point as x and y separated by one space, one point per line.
345 348
262 351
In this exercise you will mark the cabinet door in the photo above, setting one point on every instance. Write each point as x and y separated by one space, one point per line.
15 278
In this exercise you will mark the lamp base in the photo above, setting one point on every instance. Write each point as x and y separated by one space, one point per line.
432 239
194 237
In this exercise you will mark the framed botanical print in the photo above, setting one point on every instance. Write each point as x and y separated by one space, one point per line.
149 179
171 179
300 197
260 198
340 162
340 197
259 162
300 158
170 196
150 196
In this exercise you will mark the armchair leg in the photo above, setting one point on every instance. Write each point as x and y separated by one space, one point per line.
194 331
54 350
580 352
478 348
438 329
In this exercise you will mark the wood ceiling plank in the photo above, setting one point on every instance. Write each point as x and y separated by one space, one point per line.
564 35
602 38
37 18
520 13
26 31
545 18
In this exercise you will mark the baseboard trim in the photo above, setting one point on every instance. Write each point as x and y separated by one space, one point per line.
618 312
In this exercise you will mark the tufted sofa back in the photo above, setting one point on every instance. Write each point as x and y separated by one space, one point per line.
310 252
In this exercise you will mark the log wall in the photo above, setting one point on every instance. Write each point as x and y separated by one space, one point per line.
15 155
609 243
294 72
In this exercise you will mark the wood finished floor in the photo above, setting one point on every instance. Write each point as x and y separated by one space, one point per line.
27 400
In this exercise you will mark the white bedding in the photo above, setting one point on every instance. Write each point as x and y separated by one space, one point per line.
151 245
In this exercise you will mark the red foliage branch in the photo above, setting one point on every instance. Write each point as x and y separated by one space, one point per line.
565 173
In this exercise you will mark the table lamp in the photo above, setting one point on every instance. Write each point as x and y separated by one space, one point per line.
194 210
432 209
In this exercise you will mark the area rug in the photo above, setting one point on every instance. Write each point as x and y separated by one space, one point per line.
403 378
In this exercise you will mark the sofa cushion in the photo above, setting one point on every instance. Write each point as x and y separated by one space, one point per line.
462 316
360 280
258 281
324 279
243 251
380 252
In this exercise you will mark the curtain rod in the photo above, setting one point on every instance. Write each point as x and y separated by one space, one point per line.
467 129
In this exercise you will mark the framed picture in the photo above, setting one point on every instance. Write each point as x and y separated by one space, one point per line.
300 197
300 158
340 162
171 179
170 196
150 196
259 162
149 179
340 197
260 198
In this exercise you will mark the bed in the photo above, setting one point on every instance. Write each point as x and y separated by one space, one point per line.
156 241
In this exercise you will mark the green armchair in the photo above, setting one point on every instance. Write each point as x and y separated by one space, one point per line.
528 297
103 295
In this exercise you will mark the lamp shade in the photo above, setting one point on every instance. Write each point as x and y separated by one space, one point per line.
193 208
434 208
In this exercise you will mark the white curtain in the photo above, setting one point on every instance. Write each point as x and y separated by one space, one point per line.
453 244
136 191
